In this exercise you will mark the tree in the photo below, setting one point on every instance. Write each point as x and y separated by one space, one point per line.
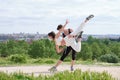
104 49
96 50
36 49
4 51
85 52
115 48
90 40
42 48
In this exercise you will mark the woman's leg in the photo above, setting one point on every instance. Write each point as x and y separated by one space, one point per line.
79 29
71 41
58 63
65 53
73 59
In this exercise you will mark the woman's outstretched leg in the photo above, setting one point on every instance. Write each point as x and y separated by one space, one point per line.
72 41
80 28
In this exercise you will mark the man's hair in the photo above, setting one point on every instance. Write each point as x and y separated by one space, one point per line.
52 34
59 27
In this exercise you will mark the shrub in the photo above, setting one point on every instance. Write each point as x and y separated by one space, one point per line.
17 58
110 58
49 61
42 48
85 53
39 60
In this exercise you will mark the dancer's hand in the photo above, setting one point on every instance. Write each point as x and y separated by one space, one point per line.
67 21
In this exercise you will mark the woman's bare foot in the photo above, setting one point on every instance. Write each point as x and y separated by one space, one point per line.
89 17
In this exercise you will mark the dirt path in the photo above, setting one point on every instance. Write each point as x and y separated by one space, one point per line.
43 69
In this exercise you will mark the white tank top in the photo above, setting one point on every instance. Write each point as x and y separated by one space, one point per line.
58 41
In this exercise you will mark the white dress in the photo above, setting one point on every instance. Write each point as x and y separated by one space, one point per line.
71 41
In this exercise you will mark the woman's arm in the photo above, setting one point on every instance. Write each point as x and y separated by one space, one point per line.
65 23
58 49
59 33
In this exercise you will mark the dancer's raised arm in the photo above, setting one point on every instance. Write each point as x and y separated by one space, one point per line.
65 23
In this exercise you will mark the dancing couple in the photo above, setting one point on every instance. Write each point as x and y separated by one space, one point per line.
69 38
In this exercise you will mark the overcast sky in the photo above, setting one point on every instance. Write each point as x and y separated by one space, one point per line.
43 16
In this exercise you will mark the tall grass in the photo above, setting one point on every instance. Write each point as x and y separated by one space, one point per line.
66 75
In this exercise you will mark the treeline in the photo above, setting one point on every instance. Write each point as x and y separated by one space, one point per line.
93 49
100 49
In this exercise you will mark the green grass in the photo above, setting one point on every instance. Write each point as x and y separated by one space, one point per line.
66 75
30 61
91 62
41 61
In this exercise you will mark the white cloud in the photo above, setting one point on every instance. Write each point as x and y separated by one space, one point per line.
45 12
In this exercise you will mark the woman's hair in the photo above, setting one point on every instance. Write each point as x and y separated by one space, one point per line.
59 27
52 34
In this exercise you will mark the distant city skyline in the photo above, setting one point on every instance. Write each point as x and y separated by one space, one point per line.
43 16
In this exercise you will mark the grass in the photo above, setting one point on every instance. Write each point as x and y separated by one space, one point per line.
30 61
95 62
41 61
66 75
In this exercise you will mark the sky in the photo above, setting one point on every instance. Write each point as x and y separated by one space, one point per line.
43 16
